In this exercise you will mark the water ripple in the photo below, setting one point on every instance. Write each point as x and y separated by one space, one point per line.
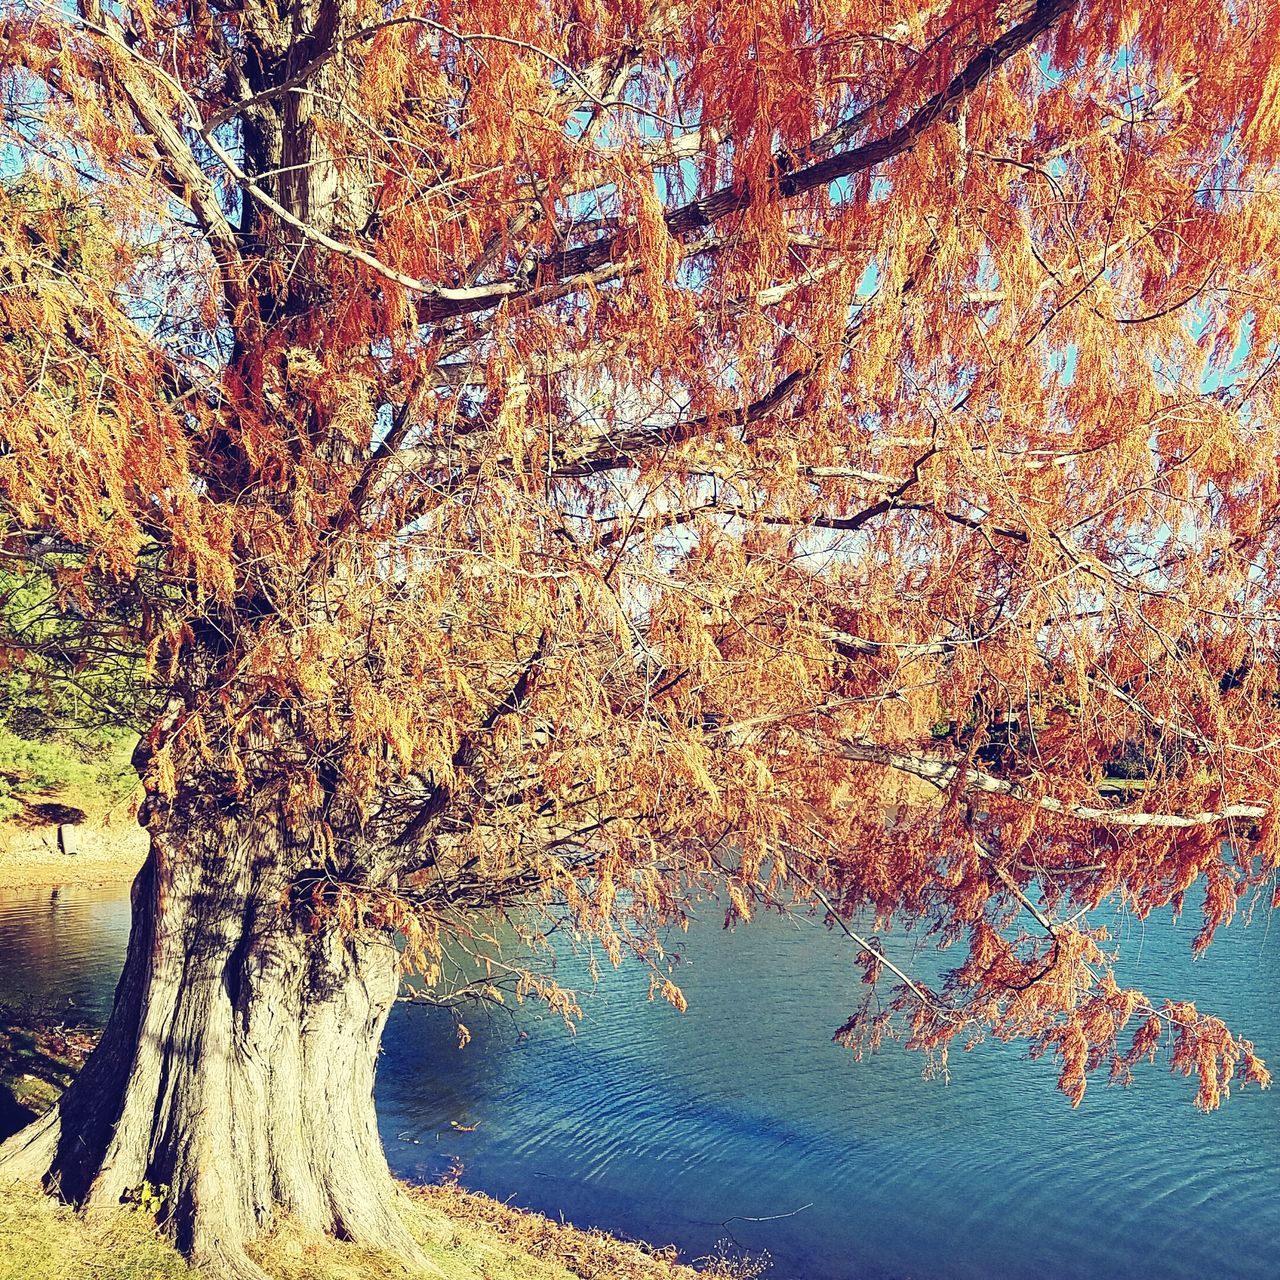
685 1128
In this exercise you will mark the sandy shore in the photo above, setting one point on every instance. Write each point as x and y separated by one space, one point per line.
109 853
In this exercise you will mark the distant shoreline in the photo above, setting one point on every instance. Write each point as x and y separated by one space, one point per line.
110 852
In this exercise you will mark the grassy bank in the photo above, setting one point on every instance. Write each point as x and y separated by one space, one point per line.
52 777
468 1236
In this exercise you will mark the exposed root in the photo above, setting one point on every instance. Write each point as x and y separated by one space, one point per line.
382 1227
27 1156
221 1262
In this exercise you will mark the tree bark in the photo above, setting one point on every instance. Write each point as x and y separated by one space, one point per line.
237 1067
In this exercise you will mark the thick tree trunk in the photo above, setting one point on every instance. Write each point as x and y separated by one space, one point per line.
237 1067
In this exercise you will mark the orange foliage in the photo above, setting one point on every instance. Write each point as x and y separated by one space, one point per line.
578 457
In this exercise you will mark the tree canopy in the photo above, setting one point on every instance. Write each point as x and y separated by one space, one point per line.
575 457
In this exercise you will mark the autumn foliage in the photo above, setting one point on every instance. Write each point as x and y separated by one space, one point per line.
574 458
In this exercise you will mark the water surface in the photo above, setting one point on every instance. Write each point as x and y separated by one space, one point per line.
685 1128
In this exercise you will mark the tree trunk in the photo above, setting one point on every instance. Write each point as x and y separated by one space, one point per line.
237 1067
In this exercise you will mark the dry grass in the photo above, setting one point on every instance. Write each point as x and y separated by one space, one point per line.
575 1252
43 1241
468 1236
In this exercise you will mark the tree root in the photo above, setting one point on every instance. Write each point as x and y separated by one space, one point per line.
28 1154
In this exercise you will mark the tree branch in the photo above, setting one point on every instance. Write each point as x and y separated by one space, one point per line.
698 215
946 773
623 451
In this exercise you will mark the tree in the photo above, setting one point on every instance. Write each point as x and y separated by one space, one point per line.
66 711
566 459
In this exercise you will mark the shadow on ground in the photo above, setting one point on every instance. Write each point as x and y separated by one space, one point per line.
39 1055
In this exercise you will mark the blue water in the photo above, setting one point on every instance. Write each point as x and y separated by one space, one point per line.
683 1128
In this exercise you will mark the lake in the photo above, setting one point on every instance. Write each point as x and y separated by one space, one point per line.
740 1125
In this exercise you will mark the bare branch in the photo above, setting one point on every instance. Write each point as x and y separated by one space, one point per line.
945 774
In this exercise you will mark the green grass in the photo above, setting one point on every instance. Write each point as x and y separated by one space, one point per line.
93 769
467 1236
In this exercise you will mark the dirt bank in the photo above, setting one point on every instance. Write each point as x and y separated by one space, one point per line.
109 849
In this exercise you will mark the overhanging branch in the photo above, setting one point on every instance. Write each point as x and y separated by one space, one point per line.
698 215
945 774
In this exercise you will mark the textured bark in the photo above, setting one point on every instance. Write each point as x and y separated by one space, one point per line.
237 1067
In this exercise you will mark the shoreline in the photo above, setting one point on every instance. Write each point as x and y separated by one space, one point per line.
41 1052
110 853
471 1236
